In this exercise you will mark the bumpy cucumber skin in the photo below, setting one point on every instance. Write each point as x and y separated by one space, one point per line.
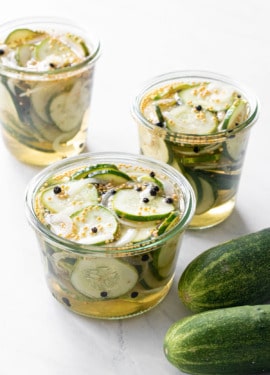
231 341
234 273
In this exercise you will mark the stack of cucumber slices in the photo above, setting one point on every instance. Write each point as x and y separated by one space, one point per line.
198 109
104 205
107 206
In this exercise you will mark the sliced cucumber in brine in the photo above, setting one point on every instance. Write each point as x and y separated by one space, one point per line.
103 278
94 225
22 36
112 176
56 52
130 204
70 196
208 196
235 147
235 115
210 96
24 53
186 119
153 144
205 190
41 95
83 173
67 108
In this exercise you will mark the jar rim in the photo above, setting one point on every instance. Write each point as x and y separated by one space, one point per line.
48 22
121 157
196 75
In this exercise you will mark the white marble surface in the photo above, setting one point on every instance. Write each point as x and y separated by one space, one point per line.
140 39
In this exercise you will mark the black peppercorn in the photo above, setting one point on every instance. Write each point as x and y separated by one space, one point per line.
57 190
145 200
94 229
103 294
145 257
134 294
169 200
153 192
198 107
152 174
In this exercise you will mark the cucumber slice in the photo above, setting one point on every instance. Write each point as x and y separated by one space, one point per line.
22 36
56 52
163 257
151 180
236 147
72 196
186 119
235 115
24 53
112 176
167 222
208 195
7 104
44 130
129 204
205 190
76 44
83 173
210 96
151 280
66 109
172 89
153 145
143 234
94 225
103 278
41 96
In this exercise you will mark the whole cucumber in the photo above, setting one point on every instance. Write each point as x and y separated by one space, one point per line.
234 340
233 273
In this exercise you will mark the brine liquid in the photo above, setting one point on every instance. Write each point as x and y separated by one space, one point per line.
121 307
213 170
33 153
214 216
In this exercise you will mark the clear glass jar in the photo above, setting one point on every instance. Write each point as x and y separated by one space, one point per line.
122 278
211 162
46 81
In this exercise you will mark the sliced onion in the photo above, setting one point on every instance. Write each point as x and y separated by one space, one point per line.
60 224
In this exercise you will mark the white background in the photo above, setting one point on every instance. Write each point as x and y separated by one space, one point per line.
140 39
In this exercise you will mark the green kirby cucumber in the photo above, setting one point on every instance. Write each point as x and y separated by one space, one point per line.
233 273
94 225
72 195
185 119
130 204
229 341
103 278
